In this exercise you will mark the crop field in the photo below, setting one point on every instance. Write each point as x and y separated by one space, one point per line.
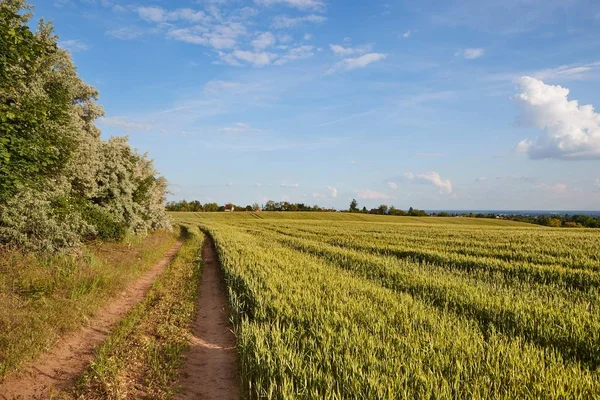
357 306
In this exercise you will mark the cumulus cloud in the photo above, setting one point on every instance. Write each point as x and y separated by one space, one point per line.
433 178
264 41
296 53
283 21
223 36
392 185
333 191
349 64
73 45
569 130
349 51
316 5
470 54
368 194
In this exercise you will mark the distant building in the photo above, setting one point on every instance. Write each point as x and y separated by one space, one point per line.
229 207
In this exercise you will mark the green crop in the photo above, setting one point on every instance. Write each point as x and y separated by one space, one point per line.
400 307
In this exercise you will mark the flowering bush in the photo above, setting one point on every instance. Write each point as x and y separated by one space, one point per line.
60 183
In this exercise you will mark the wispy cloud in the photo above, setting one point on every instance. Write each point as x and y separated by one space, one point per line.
470 54
368 194
333 191
568 72
290 185
238 127
349 51
349 64
315 5
392 185
407 34
429 97
557 188
283 21
159 14
73 45
126 33
124 123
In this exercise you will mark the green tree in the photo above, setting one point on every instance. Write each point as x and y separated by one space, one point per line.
353 206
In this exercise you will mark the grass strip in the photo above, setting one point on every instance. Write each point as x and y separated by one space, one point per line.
142 355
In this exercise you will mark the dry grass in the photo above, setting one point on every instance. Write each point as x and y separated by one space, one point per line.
142 355
46 296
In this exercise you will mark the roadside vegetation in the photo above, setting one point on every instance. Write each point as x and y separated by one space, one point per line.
408 307
45 296
60 183
142 355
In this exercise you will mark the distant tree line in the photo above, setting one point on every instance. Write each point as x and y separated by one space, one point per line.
556 221
60 182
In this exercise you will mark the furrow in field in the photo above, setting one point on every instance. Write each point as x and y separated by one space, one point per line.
567 327
512 273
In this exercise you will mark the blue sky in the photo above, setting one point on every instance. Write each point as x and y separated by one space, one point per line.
473 104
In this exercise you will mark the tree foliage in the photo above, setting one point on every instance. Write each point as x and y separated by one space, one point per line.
59 181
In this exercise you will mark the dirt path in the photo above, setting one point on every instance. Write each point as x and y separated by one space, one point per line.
210 370
69 357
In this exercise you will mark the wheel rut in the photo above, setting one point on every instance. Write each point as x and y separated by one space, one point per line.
210 370
55 370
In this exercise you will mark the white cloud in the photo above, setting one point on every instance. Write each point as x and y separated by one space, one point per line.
238 127
229 87
349 51
316 5
368 194
264 41
126 33
470 54
349 64
283 21
407 34
223 36
297 53
258 59
290 185
152 14
445 186
568 72
124 123
308 36
73 45
597 183
392 185
333 191
428 97
569 130
158 14
558 188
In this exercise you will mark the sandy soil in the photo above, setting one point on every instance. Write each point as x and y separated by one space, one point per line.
210 369
56 369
